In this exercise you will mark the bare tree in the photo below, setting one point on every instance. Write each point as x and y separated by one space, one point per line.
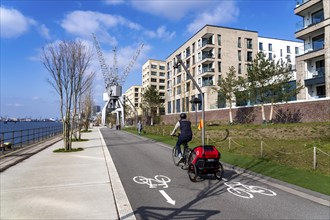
67 62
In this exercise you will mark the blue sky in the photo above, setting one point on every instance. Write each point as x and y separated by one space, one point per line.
27 26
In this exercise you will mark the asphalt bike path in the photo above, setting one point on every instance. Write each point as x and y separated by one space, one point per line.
157 189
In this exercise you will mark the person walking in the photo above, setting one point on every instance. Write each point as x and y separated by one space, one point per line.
139 127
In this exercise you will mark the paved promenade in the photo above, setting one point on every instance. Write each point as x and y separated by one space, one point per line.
77 185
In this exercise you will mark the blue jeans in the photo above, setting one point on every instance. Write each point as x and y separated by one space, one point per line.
180 141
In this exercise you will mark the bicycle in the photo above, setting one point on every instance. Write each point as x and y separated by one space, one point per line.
185 155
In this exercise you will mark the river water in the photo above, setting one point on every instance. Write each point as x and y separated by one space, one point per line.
21 132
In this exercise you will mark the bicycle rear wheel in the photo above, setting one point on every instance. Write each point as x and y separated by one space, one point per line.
218 173
176 159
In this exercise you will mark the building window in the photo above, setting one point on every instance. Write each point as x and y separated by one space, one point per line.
162 67
219 39
270 56
239 55
270 47
153 73
288 49
296 50
153 80
178 79
178 108
178 90
318 42
219 67
239 43
288 57
261 46
153 66
249 56
249 43
169 107
219 53
239 68
281 53
317 17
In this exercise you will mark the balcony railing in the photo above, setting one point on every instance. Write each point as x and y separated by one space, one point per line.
302 25
300 2
315 73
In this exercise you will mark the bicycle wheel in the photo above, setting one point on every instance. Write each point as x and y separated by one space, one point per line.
240 193
162 178
176 159
192 172
218 173
141 180
262 191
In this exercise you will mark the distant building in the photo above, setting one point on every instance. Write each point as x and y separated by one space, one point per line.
154 75
278 49
96 109
133 102
313 66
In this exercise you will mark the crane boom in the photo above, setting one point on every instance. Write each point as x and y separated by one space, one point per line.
130 65
104 68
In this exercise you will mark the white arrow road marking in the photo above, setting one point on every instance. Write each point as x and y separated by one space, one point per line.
169 200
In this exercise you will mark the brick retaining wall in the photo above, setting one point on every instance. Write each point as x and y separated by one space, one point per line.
303 111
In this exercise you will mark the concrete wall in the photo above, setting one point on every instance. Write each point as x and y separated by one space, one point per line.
309 111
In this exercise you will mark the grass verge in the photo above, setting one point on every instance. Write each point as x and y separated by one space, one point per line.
62 150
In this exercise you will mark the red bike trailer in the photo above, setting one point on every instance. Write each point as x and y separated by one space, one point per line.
203 161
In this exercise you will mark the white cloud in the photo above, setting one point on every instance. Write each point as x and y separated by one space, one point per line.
14 23
84 23
173 10
114 2
160 33
224 13
44 31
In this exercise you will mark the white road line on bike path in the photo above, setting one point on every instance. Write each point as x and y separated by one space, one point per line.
124 207
276 185
289 190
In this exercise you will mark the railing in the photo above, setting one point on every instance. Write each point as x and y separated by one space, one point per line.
22 138
300 2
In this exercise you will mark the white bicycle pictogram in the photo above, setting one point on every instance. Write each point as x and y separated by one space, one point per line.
158 180
245 191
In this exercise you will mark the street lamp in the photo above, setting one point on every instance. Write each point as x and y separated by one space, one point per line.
176 65
195 101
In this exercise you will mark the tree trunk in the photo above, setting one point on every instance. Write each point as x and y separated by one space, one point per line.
263 113
271 113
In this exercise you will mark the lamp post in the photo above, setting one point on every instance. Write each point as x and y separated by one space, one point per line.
176 65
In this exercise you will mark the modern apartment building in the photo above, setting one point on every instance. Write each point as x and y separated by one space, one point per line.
153 74
133 101
208 55
313 66
278 49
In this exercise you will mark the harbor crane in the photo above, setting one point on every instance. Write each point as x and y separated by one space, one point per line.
114 81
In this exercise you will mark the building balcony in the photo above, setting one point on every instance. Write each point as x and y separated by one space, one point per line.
305 30
315 73
318 79
306 5
207 58
309 50
207 72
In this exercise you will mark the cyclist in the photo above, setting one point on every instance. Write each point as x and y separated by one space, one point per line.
185 132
